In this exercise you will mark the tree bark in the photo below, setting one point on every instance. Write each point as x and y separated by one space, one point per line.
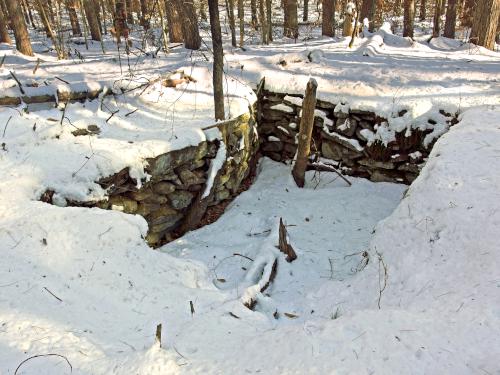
451 19
174 22
409 17
213 9
189 25
145 15
90 12
23 43
232 23
73 17
327 22
263 23
291 27
241 17
305 133
253 11
4 34
423 10
484 25
269 22
437 19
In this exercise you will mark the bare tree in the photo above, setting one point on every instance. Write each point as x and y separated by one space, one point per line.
291 27
269 22
190 31
23 43
328 20
4 34
73 17
90 13
241 17
437 19
263 22
253 11
232 23
174 21
423 10
305 14
451 19
409 17
213 9
485 23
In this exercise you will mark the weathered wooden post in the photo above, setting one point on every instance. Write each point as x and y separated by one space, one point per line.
305 133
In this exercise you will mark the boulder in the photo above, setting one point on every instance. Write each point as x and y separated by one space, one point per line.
180 199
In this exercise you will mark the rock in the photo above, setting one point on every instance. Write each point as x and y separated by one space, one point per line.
180 199
163 187
123 204
373 164
346 126
409 167
331 151
222 195
272 146
379 176
189 178
142 194
324 105
164 214
156 199
145 208
366 125
165 163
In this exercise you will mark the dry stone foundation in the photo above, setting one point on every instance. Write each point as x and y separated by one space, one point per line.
178 178
344 135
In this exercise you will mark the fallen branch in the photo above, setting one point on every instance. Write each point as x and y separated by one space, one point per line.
52 294
327 167
44 355
18 83
284 246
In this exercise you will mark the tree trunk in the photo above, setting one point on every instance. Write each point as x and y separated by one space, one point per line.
269 22
347 28
232 23
92 21
423 10
409 17
305 15
467 13
189 25
451 19
174 22
241 17
253 11
4 34
213 9
327 22
305 133
42 12
437 19
73 17
291 27
263 23
23 43
130 14
145 15
203 10
484 25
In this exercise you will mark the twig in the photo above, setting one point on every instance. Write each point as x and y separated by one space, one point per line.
19 83
44 355
37 65
2 61
5 128
243 256
192 307
52 294
112 114
381 287
134 111
158 335
62 80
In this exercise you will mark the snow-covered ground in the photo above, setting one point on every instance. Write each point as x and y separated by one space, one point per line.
381 285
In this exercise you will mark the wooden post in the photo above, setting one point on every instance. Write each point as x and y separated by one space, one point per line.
305 133
158 335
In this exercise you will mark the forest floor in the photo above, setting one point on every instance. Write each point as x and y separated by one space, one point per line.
387 280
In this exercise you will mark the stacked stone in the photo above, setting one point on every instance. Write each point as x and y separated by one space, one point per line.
178 177
343 134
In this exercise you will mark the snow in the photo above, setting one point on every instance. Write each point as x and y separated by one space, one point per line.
282 107
82 283
215 165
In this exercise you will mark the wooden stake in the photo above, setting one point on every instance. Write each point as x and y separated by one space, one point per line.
158 334
305 133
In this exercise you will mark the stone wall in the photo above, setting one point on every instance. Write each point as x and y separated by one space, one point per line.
179 177
346 136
